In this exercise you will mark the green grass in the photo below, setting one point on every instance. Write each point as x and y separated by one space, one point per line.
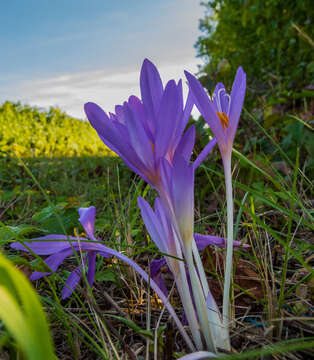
273 286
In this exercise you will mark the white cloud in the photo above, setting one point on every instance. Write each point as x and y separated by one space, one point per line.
70 92
68 78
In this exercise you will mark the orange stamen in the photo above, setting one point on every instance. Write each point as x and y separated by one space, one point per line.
223 119
152 145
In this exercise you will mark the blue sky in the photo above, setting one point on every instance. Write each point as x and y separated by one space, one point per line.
67 52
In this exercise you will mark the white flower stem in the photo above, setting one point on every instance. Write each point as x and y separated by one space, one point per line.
219 333
184 291
228 267
185 295
200 301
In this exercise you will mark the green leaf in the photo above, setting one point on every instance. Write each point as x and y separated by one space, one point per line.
22 314
106 275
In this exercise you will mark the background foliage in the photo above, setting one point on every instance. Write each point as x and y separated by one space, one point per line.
28 132
271 39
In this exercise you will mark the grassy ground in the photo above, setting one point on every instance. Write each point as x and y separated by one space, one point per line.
273 280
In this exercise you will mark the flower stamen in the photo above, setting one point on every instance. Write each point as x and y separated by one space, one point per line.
224 120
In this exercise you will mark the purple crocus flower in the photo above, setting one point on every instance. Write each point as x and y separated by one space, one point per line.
58 251
160 229
222 112
144 131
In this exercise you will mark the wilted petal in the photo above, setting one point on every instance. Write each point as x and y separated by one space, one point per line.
156 265
155 273
46 247
71 282
91 267
202 241
160 282
53 262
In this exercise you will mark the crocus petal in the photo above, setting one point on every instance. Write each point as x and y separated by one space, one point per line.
187 109
186 145
237 99
163 219
156 265
46 247
103 125
139 140
152 224
166 118
151 88
155 273
205 107
181 124
183 197
160 282
178 120
202 156
138 107
165 174
71 282
53 261
91 267
87 219
114 135
202 241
